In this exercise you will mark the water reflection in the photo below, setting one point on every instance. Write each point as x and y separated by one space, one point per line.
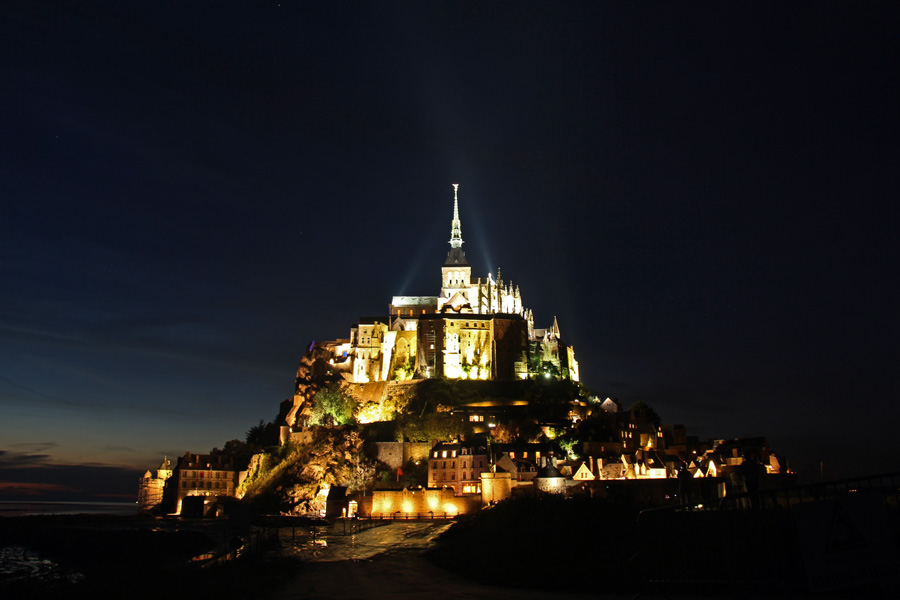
18 563
319 547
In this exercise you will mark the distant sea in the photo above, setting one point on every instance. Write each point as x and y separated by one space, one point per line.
21 509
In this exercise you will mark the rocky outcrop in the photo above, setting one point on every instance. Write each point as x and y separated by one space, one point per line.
316 459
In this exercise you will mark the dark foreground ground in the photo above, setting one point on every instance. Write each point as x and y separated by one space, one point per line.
98 557
524 550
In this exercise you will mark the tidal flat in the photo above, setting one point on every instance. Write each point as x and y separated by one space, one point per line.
107 556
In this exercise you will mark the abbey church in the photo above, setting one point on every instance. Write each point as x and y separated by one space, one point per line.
474 329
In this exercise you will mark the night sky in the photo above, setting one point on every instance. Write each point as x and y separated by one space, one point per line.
190 192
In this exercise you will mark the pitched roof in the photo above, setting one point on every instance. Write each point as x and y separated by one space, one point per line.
456 257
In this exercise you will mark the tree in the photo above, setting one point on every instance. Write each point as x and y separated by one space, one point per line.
332 405
236 449
435 426
262 435
405 371
645 410
504 433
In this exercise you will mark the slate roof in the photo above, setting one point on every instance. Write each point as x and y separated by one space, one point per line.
456 257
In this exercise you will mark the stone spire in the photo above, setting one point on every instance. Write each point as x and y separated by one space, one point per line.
456 240
456 256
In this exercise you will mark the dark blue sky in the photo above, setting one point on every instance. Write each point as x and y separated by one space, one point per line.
702 194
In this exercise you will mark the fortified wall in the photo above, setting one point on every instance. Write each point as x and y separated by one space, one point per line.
405 503
397 454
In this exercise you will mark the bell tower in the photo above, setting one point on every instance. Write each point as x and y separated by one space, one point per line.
456 274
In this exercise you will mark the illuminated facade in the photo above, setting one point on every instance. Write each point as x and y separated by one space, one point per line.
474 329
461 466
150 493
457 467
203 475
418 503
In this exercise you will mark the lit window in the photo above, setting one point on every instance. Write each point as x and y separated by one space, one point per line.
453 453
512 455
444 454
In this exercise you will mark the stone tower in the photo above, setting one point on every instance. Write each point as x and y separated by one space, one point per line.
456 272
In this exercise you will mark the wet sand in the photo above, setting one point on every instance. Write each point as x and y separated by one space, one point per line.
387 563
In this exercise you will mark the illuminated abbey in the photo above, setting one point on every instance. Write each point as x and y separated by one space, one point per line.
474 329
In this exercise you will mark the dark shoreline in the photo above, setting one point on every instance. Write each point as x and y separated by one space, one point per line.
138 556
16 508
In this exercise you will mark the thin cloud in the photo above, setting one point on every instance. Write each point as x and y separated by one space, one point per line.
111 448
25 476
35 446
21 460
30 489
37 393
